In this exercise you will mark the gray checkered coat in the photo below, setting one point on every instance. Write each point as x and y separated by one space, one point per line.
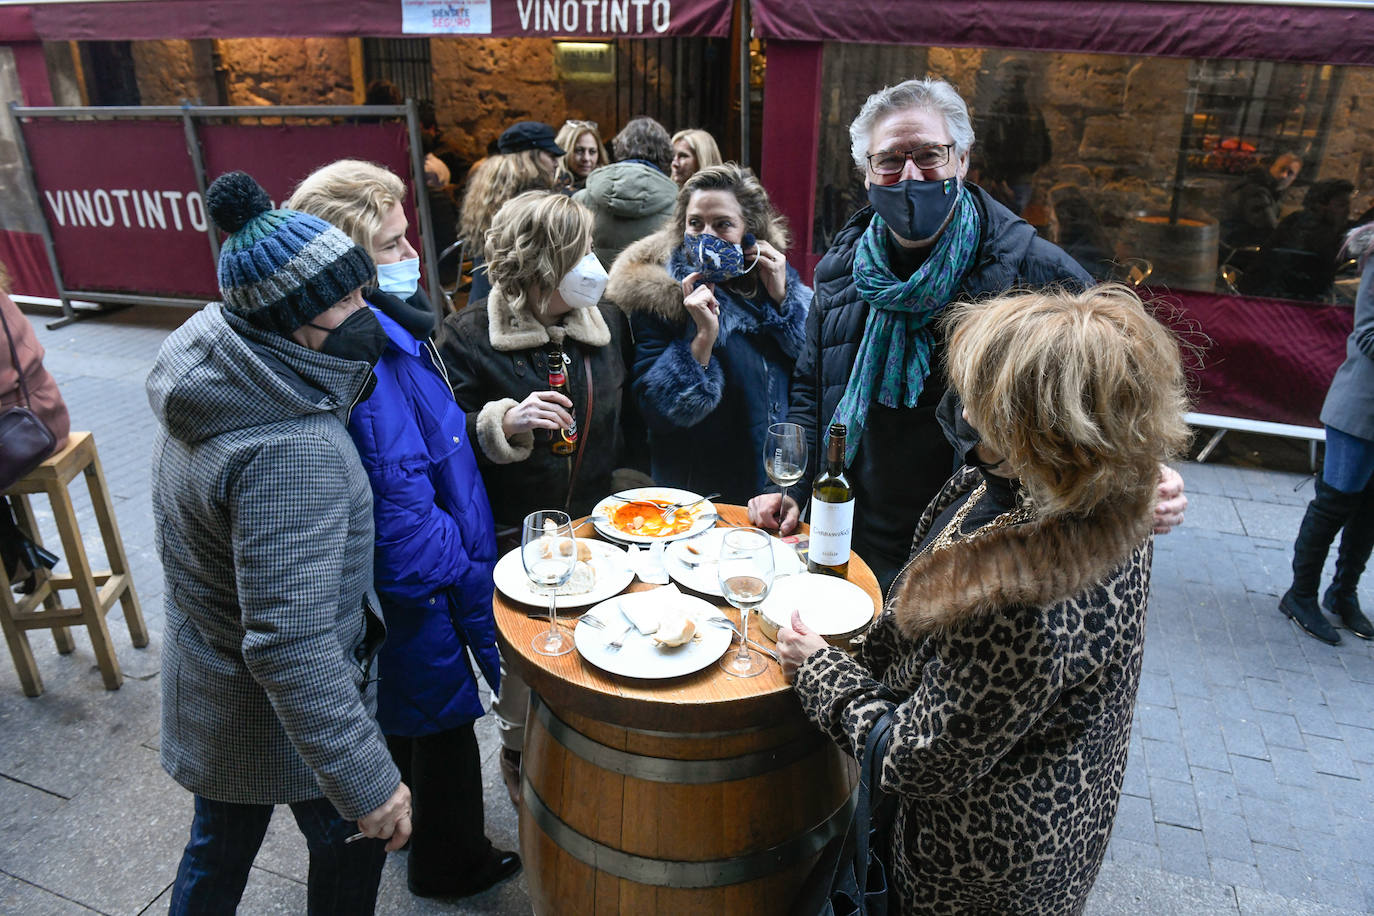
264 524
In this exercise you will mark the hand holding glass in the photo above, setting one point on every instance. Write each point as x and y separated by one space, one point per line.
746 576
784 458
549 553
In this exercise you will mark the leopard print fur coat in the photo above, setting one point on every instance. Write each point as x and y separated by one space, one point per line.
1012 660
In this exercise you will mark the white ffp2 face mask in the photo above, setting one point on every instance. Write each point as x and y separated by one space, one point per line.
582 286
400 279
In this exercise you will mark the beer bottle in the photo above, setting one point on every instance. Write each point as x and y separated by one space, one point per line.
562 441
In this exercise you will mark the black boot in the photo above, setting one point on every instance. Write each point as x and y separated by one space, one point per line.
1326 513
1357 540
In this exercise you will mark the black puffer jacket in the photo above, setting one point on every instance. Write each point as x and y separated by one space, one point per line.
904 458
495 358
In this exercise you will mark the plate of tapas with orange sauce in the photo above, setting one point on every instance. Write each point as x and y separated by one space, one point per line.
645 515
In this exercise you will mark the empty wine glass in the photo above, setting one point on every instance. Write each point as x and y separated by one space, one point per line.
746 576
549 553
784 458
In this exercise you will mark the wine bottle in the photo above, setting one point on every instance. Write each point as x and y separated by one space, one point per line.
562 441
832 512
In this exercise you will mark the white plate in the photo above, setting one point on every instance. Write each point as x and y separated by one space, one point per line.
705 513
613 573
829 605
705 576
642 657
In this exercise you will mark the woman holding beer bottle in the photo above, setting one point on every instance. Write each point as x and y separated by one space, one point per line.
538 365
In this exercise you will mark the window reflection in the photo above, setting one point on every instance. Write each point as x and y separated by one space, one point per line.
1226 176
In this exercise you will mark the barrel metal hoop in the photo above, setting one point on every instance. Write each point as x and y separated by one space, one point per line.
679 873
666 769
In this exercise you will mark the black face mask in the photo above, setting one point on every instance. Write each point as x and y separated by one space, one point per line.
359 338
915 210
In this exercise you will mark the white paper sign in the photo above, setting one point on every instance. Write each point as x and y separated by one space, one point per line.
446 17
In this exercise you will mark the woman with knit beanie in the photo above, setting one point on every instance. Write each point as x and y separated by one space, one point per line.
264 528
1344 503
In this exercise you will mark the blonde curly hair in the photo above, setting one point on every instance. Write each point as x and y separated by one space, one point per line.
493 181
1083 394
352 194
534 240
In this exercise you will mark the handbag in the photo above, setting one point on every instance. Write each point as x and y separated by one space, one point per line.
25 440
850 877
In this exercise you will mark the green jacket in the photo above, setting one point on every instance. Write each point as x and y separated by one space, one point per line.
630 200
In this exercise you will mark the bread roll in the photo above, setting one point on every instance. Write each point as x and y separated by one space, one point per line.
675 629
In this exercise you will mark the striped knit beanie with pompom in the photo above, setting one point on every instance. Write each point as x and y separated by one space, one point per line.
280 268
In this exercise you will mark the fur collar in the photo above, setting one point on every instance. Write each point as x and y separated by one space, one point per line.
511 331
1038 563
640 281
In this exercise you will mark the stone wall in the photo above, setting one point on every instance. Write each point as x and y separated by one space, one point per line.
483 85
170 72
286 71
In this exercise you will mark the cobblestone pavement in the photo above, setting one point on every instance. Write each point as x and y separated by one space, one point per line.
1250 787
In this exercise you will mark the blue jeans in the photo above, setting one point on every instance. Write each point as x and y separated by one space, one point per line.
1349 461
225 838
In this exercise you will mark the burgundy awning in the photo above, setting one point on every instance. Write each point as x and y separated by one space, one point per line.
1311 32
105 20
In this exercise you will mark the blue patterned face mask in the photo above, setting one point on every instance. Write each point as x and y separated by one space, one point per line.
716 259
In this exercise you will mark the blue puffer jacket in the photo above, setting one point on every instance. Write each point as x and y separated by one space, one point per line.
721 411
436 544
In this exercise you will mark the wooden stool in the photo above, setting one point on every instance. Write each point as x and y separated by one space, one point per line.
96 591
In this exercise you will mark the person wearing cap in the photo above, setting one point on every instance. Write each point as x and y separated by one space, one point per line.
264 527
632 198
526 160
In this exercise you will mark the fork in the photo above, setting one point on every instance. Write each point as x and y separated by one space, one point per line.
727 622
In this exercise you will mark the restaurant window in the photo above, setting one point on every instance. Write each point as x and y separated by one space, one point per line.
1216 175
402 61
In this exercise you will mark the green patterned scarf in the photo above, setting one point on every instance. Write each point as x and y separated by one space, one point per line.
894 354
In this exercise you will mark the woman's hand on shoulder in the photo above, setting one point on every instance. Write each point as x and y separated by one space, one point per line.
1172 501
540 410
700 301
772 268
797 643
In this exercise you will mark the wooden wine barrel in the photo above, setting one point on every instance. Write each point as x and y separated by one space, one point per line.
631 820
1184 253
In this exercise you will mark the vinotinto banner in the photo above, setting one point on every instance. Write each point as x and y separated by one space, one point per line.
129 219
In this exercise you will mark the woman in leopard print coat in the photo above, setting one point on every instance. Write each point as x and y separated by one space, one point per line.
1009 647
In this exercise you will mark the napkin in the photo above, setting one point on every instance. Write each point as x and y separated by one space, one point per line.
648 564
643 609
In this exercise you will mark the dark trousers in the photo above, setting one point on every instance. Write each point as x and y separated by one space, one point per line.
225 838
448 840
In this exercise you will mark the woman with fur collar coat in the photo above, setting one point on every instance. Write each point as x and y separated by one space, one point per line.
495 351
1008 653
717 329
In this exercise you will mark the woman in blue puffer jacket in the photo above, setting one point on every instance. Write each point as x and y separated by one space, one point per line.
435 549
718 319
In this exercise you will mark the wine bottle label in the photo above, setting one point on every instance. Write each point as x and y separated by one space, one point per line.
831 525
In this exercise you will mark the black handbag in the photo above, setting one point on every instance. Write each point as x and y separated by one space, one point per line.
25 440
850 877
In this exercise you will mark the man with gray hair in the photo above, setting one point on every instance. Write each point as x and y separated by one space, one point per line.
873 353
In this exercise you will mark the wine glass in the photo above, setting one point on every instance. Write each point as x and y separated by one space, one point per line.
549 553
784 458
746 575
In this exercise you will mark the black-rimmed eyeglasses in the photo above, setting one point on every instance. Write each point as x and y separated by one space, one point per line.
891 162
